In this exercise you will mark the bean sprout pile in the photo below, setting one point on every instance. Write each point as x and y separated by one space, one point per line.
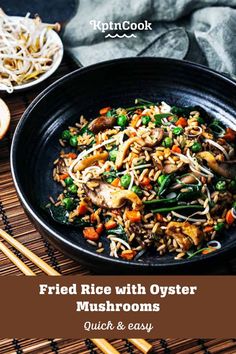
27 49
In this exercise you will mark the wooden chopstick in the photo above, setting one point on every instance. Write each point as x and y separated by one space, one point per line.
104 346
101 343
14 259
46 268
141 344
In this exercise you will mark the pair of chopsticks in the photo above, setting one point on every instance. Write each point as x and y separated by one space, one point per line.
102 344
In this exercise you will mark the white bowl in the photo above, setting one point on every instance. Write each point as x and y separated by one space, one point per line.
55 63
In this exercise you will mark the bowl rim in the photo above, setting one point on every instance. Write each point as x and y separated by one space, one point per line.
55 64
30 209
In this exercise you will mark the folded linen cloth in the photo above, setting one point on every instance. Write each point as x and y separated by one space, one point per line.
203 31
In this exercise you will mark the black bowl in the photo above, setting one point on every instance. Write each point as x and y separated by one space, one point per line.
114 83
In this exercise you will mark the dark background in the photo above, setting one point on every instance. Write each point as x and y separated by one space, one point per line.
48 10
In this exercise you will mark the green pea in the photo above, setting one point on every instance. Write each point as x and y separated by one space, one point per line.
137 190
68 203
221 186
112 154
161 179
196 147
73 141
146 120
167 142
73 188
122 120
125 181
66 135
200 120
219 227
68 181
178 130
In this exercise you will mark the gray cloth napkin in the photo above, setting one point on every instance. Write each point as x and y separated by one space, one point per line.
203 31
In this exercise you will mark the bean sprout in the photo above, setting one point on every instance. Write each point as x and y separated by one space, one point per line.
26 49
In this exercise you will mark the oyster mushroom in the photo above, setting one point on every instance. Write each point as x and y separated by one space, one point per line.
225 169
123 150
102 123
106 196
81 165
184 233
189 179
155 137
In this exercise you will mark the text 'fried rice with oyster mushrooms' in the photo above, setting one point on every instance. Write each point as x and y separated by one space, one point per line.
149 177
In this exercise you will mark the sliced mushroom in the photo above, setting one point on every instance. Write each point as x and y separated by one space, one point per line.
170 168
102 123
184 233
155 137
90 160
222 168
123 150
189 179
106 196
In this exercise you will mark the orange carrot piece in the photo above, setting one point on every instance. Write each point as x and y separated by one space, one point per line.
82 209
229 217
208 229
63 176
99 228
181 122
211 249
145 181
159 217
71 155
110 224
128 254
116 182
90 233
104 110
134 215
176 148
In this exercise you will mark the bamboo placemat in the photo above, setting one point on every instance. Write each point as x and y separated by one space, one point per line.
15 222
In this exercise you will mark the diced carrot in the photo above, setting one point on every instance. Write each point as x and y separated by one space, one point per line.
159 217
90 233
134 121
99 228
108 169
104 110
63 176
134 215
229 217
230 134
208 229
145 181
110 224
82 208
181 122
176 148
128 254
71 155
116 182
211 249
132 134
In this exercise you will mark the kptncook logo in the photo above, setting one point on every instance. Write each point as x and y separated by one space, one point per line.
128 26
